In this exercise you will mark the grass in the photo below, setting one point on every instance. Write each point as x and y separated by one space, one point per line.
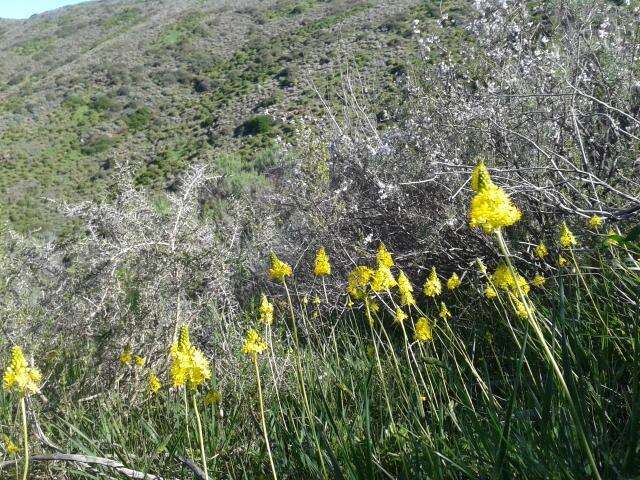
349 393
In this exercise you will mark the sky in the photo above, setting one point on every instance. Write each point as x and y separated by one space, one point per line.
26 8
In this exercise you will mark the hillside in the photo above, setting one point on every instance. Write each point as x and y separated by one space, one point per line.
164 84
339 239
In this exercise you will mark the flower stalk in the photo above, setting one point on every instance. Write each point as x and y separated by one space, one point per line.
25 438
262 417
535 325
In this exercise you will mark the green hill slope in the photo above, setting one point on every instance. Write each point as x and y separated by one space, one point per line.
164 84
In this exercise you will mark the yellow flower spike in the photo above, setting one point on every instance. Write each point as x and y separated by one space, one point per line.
322 266
541 251
567 238
253 345
384 257
266 310
595 221
492 209
358 282
562 261
520 308
153 383
10 447
213 397
453 282
382 279
521 311
538 281
188 364
503 279
423 331
400 315
126 356
19 376
406 290
444 311
305 300
279 270
184 340
316 300
139 361
480 178
490 292
433 286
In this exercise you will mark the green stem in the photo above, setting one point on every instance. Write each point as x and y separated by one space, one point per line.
379 364
200 437
551 359
186 415
300 375
25 438
324 288
264 423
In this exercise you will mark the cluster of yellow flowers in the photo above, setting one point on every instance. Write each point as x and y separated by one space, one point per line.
406 290
490 292
423 331
127 358
153 383
444 311
265 310
19 376
567 238
541 251
363 280
10 447
322 265
400 316
382 279
538 281
433 286
253 345
453 282
279 270
505 280
491 207
358 282
188 364
595 221
383 256
513 284
521 309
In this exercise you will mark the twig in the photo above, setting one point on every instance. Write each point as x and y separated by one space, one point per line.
191 465
87 460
